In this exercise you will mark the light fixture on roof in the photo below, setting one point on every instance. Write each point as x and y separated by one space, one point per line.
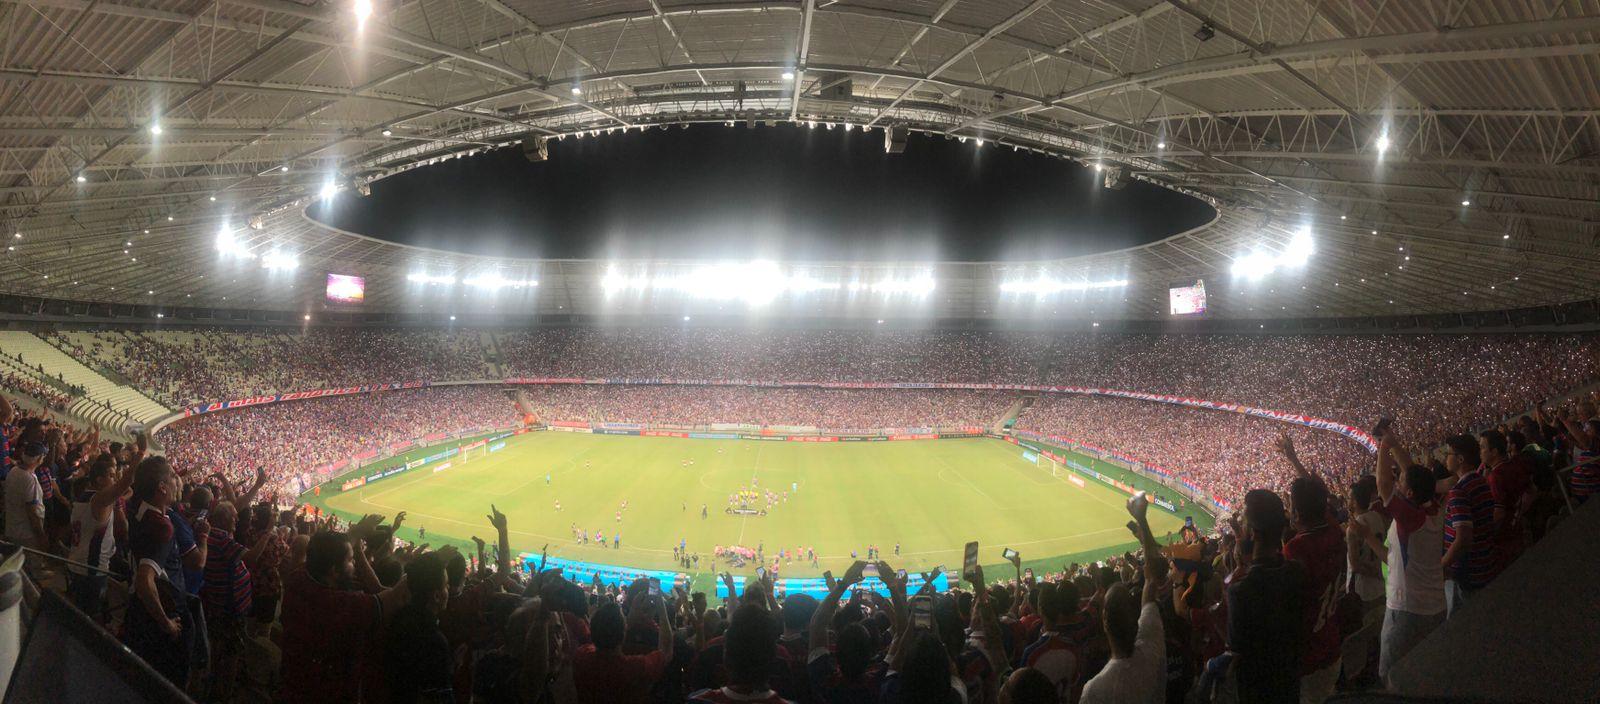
1099 167
82 178
307 316
1205 33
1161 145
452 317
788 75
577 89
1383 143
685 318
147 232
213 199
284 168
328 191
169 218
363 10
388 133
155 128
1466 202
1344 217
1506 236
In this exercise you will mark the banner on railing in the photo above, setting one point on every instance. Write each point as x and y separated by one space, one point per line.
298 396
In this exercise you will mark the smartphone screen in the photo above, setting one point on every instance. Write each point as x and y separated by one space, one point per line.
827 577
900 575
970 560
761 573
922 612
871 570
1008 554
655 587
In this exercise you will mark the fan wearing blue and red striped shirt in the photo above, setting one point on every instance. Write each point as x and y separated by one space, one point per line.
1058 653
225 594
1468 524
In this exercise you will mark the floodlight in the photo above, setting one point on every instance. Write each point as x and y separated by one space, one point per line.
281 261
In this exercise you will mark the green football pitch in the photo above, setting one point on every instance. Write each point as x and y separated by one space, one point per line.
930 496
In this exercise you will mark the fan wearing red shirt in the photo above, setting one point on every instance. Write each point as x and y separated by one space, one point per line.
1318 545
750 653
601 673
1509 475
329 627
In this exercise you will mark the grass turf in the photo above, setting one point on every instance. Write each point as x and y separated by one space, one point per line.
931 496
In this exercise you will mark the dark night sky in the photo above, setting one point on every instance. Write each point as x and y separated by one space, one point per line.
784 192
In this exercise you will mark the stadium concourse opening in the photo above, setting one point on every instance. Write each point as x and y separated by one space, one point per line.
792 192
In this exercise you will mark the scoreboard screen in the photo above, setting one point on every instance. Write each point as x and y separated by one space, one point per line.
343 288
1188 300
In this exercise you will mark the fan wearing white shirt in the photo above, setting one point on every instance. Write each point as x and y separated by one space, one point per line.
1138 667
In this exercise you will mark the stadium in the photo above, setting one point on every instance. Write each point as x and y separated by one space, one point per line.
814 351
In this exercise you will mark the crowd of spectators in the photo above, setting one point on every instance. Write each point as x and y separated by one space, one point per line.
1437 383
775 354
839 410
26 385
1224 453
291 437
184 368
233 600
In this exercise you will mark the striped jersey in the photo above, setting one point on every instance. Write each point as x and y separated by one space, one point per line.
227 580
1586 476
92 543
1471 502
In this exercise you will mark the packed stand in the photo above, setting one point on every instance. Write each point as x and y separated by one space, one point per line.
291 437
1436 383
1224 453
232 599
827 409
188 368
774 355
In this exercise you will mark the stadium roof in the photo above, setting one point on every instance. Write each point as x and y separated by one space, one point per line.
1465 136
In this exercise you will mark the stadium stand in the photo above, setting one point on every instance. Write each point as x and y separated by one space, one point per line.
105 402
191 367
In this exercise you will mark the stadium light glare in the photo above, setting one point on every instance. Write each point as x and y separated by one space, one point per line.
277 260
424 278
1047 286
754 283
155 128
1383 143
328 191
788 75
363 10
494 282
